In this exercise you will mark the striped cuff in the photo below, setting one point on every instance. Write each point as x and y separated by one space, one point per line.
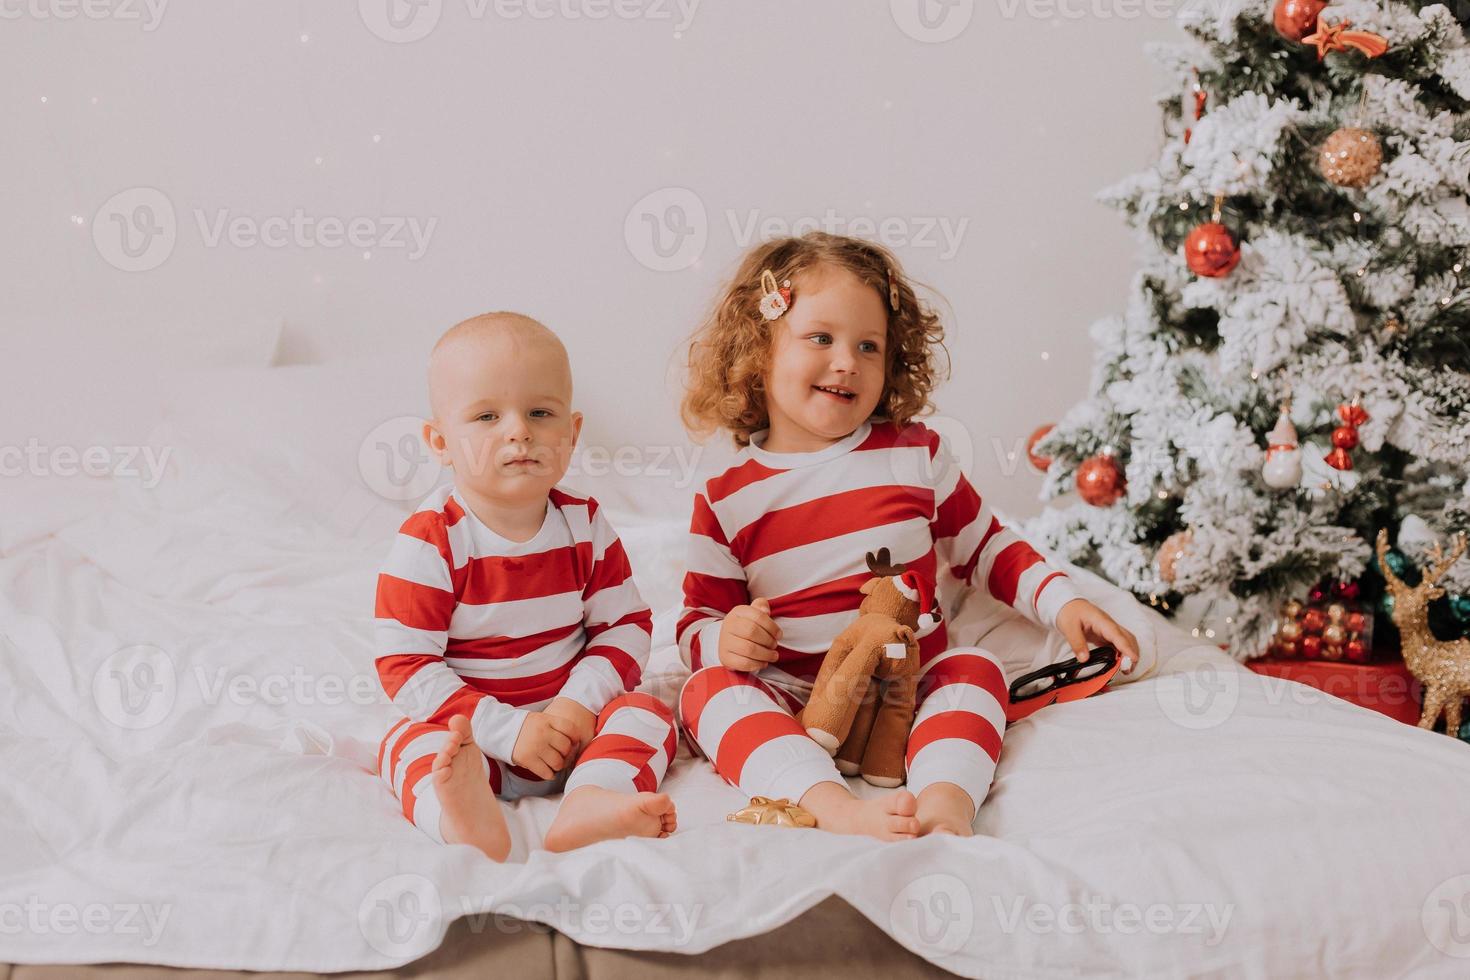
592 684
1057 593
496 727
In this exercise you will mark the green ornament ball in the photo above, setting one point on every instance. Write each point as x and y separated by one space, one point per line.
1386 604
1460 606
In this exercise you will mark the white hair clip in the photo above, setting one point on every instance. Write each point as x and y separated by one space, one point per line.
775 300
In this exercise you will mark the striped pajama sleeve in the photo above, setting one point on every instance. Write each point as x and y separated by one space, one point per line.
415 601
618 624
714 584
980 550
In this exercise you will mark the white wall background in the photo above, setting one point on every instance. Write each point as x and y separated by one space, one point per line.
532 144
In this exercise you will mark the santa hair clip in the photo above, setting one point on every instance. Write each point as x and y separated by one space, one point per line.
892 290
775 300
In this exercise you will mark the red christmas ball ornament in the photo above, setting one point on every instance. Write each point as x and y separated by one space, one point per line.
1357 622
1100 480
1313 621
1211 251
1346 591
1345 437
1040 463
1339 459
1352 414
1312 647
1356 651
1295 19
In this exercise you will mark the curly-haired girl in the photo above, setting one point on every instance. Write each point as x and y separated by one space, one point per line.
817 359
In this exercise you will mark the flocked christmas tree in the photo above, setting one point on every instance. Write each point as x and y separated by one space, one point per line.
1293 369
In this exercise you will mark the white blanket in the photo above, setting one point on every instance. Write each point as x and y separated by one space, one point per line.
190 713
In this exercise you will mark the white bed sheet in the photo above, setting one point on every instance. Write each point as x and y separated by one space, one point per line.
190 713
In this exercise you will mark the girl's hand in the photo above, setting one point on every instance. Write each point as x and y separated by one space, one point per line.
748 637
1085 626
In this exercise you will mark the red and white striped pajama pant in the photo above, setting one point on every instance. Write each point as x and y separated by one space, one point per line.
748 728
630 751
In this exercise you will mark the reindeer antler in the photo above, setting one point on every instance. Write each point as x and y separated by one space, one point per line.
880 565
1441 563
1382 548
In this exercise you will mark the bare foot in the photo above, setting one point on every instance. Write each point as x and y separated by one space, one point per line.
944 808
470 813
888 817
589 814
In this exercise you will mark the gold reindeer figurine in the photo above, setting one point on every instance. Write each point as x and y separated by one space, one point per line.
1442 667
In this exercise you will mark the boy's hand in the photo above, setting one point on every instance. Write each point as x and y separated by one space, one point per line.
1085 626
544 744
582 721
748 637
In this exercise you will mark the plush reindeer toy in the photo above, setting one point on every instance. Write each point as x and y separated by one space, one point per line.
862 703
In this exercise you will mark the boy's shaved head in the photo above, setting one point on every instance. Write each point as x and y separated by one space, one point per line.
496 341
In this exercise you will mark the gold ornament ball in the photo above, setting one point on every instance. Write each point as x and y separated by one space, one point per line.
1336 612
1291 630
1334 635
1171 551
1351 157
1292 609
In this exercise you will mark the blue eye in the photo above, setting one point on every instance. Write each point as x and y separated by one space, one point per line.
541 413
486 417
869 347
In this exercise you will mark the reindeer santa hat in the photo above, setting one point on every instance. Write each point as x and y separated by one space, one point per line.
916 588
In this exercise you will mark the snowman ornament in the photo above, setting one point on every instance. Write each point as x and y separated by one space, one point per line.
1283 468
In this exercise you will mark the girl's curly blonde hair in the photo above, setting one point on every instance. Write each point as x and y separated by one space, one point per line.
731 352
